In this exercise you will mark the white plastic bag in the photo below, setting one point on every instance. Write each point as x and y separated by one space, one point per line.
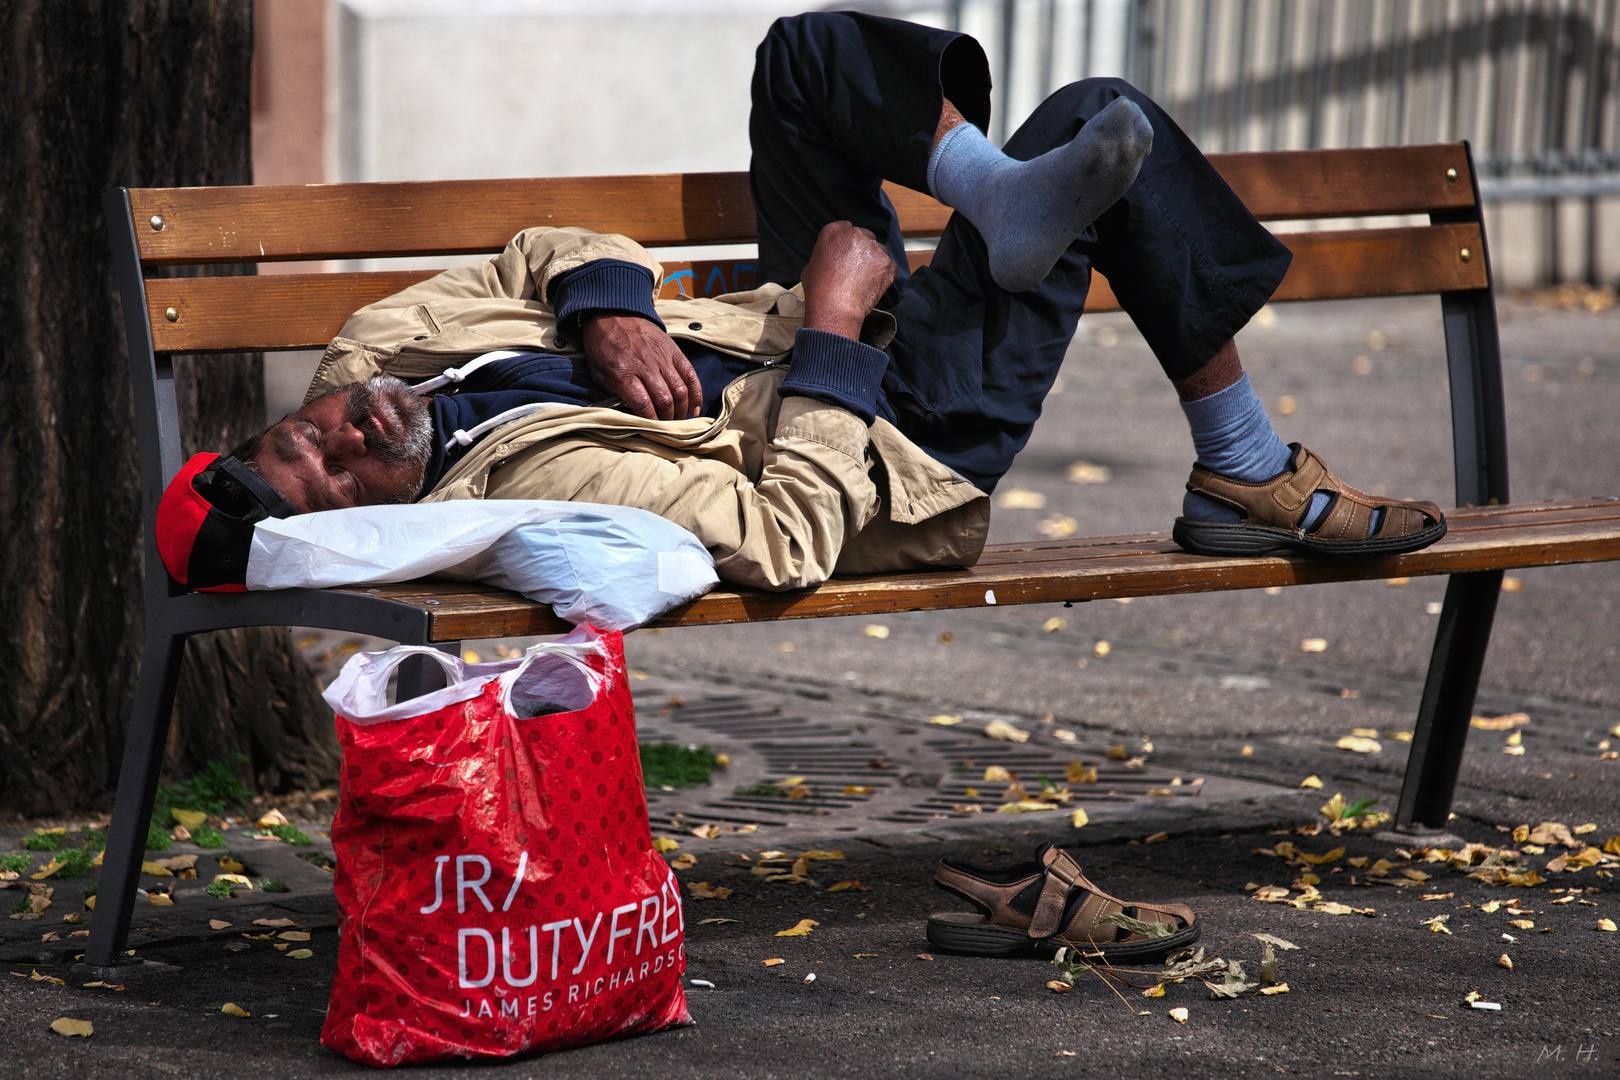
615 567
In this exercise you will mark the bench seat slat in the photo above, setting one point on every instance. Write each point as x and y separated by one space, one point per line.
1494 538
451 217
305 311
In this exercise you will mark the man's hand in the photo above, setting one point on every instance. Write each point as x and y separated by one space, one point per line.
636 360
845 278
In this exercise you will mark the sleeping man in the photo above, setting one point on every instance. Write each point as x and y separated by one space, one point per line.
844 416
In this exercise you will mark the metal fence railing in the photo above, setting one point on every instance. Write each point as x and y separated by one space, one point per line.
1531 84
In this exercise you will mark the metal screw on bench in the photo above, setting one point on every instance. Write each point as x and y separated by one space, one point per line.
1451 176
157 222
174 316
1465 254
435 603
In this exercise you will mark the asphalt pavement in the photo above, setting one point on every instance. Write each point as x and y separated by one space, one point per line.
1218 685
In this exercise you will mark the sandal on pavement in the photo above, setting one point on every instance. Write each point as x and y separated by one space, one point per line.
1049 903
1274 512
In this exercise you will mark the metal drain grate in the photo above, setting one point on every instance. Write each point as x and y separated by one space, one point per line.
853 773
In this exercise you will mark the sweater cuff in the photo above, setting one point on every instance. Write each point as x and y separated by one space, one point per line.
603 285
837 370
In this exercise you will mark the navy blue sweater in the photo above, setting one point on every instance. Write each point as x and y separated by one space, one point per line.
827 367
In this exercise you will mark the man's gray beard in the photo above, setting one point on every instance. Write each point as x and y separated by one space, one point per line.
385 392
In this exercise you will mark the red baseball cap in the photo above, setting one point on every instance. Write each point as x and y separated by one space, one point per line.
205 523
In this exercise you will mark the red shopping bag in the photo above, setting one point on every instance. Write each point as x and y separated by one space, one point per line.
495 875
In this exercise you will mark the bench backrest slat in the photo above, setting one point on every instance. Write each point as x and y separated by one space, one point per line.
305 311
455 217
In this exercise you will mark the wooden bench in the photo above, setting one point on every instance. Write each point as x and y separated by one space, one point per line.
165 316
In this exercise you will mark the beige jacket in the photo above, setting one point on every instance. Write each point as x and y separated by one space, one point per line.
783 492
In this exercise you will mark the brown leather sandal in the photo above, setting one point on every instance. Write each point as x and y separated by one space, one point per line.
1274 512
1047 904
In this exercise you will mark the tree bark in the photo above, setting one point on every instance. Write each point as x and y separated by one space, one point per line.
95 94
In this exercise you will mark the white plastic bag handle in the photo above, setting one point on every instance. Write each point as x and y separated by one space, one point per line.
573 653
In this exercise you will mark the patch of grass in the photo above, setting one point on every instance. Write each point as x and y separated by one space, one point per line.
91 889
291 834
76 862
1362 806
207 836
219 890
670 764
21 907
54 840
94 839
317 859
273 884
157 837
213 789
15 864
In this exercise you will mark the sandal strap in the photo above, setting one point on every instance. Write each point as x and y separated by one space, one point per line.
1062 875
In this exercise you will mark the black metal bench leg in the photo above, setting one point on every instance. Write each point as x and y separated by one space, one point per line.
1448 700
137 782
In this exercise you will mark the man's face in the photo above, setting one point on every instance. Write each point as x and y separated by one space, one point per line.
359 445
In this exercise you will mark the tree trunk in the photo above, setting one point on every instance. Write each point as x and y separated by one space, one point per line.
95 94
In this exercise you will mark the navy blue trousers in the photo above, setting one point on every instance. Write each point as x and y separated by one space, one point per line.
843 101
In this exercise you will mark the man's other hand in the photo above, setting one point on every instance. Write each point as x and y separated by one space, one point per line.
845 278
637 361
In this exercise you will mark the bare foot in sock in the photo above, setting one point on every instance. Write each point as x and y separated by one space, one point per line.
1030 211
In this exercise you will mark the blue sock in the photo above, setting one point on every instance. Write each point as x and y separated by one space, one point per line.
1028 212
1233 437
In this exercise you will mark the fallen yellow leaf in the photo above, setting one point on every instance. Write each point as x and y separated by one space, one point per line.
823 856
231 1008
702 890
850 884
294 935
1248 751
66 1025
1280 988
774 962
48 869
272 819
1313 644
1179 1015
996 774
1310 782
1522 924
1157 838
275 922
706 832
1156 990
1021 499
1084 472
1053 625
1000 729
800 929
1358 862
1607 924
1026 806
943 720
300 954
1102 648
191 819
37 977
230 865
683 861
1360 744
858 789
1078 819
1326 856
1505 961
1500 723
664 845
1058 986
234 880
160 899
876 630
156 869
